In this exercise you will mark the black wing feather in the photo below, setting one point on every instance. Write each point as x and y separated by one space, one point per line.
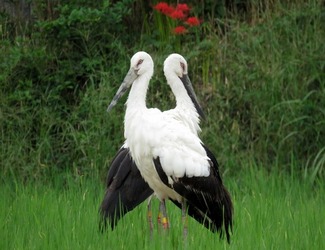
192 210
207 199
125 189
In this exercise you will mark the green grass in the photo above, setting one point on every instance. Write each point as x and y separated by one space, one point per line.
272 211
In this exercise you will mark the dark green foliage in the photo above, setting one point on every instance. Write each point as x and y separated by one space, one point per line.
257 67
43 84
276 86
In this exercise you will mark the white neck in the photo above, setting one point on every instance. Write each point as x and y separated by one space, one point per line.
183 100
138 93
136 103
184 104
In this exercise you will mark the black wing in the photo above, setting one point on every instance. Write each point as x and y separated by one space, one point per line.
207 199
125 189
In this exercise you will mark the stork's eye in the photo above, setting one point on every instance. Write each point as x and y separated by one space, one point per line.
139 62
182 66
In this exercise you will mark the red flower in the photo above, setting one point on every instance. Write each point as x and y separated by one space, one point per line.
180 13
164 8
180 30
182 7
177 14
193 21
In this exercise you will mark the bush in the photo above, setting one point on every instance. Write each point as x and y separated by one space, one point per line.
270 97
45 78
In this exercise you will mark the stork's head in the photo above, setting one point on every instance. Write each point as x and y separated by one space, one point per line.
176 65
141 64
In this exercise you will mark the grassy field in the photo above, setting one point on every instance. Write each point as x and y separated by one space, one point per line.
259 76
272 211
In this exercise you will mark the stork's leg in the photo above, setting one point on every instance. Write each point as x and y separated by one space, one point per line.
159 214
184 219
150 216
162 215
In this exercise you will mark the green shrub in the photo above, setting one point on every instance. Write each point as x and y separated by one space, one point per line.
44 83
269 101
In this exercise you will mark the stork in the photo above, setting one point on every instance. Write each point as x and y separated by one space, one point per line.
180 168
125 187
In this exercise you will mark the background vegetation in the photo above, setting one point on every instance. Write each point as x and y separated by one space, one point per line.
258 68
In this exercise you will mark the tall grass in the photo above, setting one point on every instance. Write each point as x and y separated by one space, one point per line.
275 210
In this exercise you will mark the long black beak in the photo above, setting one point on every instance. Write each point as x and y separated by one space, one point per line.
190 91
126 84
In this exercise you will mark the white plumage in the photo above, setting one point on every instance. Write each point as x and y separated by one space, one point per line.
187 109
150 133
166 148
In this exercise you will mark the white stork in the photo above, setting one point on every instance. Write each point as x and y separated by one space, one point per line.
166 148
126 188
